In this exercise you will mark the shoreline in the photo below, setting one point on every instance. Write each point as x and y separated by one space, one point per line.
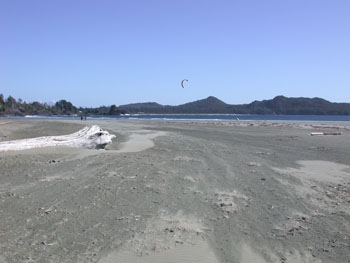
172 117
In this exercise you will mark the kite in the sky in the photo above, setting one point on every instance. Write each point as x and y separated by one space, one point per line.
182 83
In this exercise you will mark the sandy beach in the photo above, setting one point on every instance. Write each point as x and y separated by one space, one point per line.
177 192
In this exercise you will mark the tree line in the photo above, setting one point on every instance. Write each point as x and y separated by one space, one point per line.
12 107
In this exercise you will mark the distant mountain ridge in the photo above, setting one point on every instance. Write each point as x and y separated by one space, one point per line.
279 105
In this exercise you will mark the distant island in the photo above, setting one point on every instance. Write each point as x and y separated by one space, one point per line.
279 105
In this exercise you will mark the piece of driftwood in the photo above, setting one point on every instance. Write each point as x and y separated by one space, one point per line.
325 133
89 137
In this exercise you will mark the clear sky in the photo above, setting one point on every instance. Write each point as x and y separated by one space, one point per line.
107 52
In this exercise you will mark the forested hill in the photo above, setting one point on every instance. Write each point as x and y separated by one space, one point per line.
297 106
278 105
211 105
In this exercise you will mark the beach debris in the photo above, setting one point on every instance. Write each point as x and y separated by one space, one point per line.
47 210
264 153
189 179
254 164
92 137
320 148
227 201
325 133
185 159
54 161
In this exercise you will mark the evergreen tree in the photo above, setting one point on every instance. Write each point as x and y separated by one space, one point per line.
2 103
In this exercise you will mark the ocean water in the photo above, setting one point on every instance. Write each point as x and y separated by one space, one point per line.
207 117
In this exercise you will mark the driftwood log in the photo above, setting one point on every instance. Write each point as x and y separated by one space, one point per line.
89 137
325 133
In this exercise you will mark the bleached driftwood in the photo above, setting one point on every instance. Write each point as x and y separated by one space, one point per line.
89 137
325 133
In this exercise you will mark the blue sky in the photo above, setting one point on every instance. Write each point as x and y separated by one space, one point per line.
107 52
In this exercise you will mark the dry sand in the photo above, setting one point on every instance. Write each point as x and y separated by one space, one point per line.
177 192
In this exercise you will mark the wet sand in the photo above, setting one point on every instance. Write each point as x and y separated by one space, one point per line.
177 192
